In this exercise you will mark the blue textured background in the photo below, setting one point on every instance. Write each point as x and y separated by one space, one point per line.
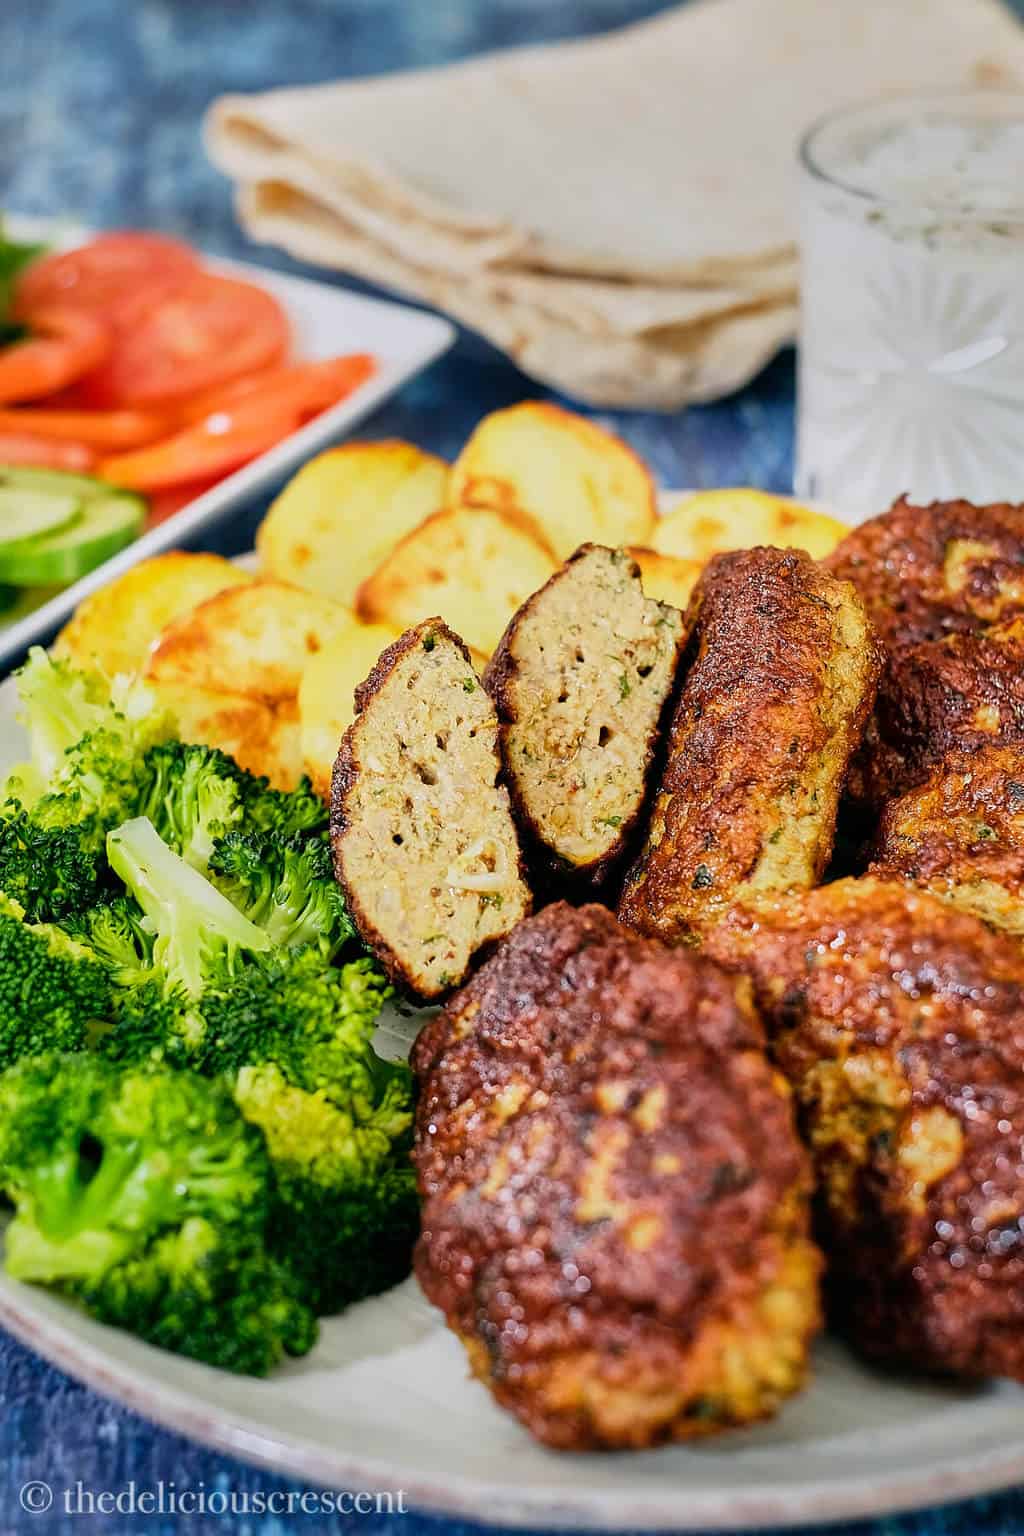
100 102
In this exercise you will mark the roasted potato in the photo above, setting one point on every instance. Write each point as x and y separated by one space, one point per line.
578 482
714 522
326 695
114 628
666 578
473 565
343 512
264 738
231 670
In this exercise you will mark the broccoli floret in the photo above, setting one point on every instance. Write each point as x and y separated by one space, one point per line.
63 710
53 871
54 993
295 1037
287 889
228 1304
145 1196
200 939
346 1216
194 795
282 812
87 773
117 935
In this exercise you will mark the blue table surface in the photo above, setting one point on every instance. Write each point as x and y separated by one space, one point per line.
100 103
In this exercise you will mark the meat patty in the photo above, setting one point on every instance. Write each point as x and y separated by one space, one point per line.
581 681
615 1215
942 696
783 678
424 844
961 835
926 572
900 1024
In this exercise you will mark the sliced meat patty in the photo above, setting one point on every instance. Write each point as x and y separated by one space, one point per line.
782 681
424 844
581 681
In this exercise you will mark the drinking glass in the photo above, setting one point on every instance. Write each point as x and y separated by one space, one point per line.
911 364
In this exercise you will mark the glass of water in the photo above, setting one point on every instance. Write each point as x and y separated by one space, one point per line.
911 365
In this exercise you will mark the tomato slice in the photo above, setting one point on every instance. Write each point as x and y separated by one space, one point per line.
308 388
63 344
204 451
100 429
212 330
119 276
44 452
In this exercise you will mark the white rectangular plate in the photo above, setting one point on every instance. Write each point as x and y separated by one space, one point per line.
325 320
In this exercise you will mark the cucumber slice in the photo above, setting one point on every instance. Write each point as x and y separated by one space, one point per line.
25 514
105 523
52 482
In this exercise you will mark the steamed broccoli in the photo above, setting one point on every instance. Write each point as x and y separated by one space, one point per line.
62 706
200 938
145 1196
193 795
53 871
54 993
286 888
88 741
293 1033
295 1039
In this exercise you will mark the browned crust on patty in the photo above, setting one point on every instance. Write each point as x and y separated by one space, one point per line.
615 1201
361 893
900 1024
958 694
782 680
567 752
929 571
961 835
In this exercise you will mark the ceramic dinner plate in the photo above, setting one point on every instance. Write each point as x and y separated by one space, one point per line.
385 1402
324 320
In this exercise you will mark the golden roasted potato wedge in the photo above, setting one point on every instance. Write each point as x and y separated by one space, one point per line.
343 512
472 565
231 671
114 628
666 578
326 704
578 483
264 738
253 640
712 522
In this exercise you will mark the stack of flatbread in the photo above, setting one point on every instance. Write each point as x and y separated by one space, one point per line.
618 213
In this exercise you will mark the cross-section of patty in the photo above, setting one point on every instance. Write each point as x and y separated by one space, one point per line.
424 844
581 681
